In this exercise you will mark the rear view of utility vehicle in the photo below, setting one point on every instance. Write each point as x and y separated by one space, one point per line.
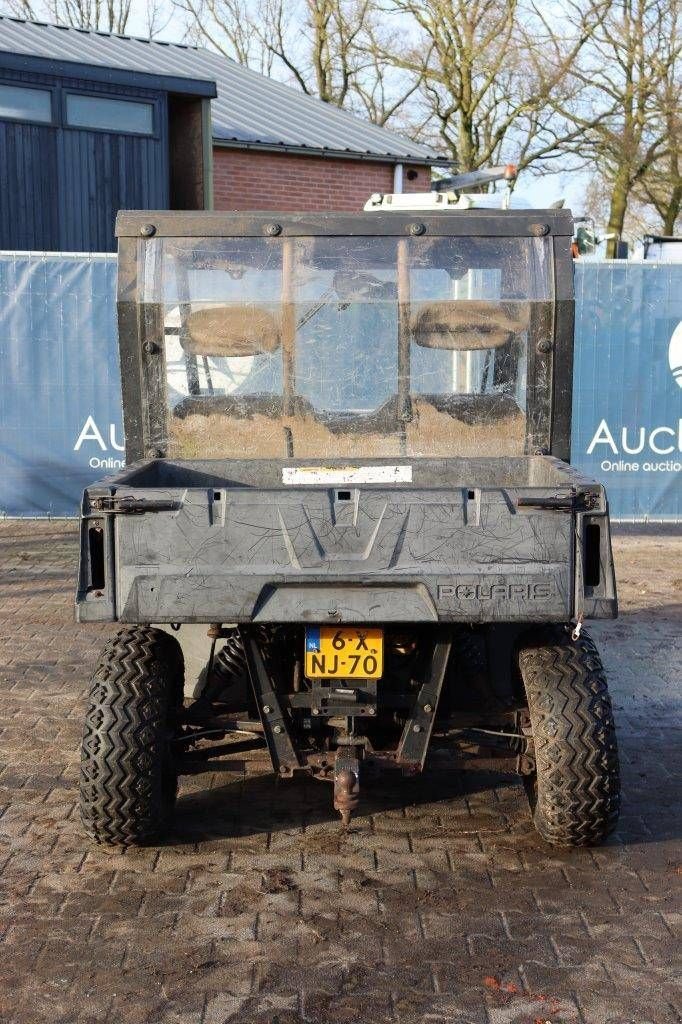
347 528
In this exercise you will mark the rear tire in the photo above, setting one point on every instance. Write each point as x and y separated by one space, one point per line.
575 792
128 776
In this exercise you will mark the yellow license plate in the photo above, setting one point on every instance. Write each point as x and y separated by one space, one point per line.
354 652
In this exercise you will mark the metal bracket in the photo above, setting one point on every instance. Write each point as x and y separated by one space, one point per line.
577 501
111 504
340 697
414 742
285 758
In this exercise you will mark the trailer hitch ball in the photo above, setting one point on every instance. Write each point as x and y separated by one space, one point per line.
346 793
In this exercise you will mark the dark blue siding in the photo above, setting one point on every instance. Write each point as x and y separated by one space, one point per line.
28 211
62 187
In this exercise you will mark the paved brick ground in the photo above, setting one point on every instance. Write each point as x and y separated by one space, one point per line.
259 909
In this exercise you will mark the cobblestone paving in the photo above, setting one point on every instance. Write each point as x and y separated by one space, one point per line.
260 909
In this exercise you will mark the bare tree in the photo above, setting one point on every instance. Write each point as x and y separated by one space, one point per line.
327 48
158 15
233 27
98 15
640 217
661 189
103 15
311 42
632 75
380 89
661 185
488 72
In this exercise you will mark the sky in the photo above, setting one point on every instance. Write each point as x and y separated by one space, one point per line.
543 191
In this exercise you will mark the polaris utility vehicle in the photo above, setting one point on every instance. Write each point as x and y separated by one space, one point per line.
347 514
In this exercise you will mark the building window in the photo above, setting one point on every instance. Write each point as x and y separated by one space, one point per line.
110 115
18 103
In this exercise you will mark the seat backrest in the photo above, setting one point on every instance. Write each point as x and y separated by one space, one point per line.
235 330
467 324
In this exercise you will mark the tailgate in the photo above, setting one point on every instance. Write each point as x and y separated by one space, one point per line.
352 554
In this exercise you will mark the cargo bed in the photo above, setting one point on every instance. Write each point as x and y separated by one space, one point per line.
425 540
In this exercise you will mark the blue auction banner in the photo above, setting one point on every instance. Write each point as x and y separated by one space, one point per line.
627 406
60 397
60 404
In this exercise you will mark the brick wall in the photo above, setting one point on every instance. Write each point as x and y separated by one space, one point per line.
252 180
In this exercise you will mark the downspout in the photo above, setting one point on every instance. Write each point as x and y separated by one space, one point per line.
398 178
207 153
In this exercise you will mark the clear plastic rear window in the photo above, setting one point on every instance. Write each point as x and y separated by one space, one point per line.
338 346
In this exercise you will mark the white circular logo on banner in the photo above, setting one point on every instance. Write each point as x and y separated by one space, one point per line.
675 354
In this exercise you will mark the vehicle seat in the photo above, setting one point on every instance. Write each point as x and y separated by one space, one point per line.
467 324
236 330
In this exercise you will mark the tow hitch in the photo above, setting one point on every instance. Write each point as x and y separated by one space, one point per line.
346 782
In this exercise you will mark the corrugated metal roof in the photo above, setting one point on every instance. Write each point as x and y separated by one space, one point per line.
250 109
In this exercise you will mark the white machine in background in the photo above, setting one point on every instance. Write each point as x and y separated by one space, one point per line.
664 248
449 194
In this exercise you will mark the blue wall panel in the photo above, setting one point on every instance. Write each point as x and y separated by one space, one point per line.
60 414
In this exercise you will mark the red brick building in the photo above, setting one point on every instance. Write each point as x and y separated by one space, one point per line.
251 180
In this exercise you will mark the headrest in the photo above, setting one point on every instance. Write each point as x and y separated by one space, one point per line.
466 324
231 331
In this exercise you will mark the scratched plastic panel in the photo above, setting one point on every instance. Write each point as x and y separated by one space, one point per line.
346 347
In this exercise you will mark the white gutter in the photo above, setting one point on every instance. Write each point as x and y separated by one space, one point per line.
397 178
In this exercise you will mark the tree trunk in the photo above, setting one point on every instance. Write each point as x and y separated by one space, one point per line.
672 211
466 146
618 206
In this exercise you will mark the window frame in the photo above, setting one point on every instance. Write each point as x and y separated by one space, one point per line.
13 83
118 98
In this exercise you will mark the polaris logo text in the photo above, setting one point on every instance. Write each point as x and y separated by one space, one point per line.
496 591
